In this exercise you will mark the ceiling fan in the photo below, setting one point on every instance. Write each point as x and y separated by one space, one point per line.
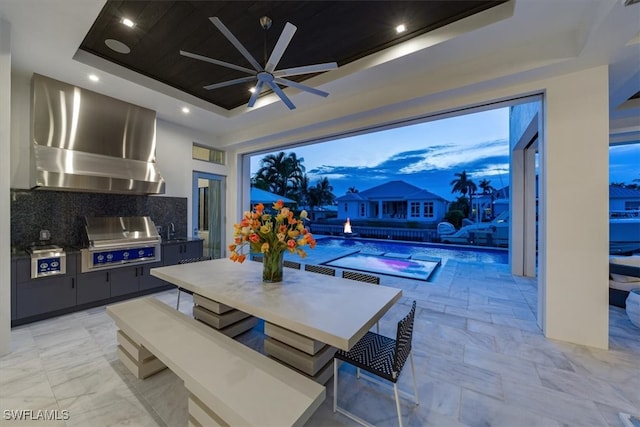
267 75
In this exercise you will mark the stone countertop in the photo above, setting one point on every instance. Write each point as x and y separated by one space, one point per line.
329 309
21 253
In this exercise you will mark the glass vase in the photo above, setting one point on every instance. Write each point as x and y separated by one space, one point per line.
272 265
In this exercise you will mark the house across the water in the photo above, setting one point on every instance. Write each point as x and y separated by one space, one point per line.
397 200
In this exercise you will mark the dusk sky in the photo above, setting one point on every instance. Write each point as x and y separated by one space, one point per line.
428 155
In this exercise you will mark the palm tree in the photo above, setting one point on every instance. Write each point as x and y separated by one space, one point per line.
486 187
282 172
463 184
303 191
321 194
352 190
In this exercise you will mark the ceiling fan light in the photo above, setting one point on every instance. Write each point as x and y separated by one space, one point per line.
401 28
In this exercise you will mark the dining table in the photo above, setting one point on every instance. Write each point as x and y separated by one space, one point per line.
307 316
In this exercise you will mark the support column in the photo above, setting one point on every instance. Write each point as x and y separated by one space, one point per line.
5 180
573 219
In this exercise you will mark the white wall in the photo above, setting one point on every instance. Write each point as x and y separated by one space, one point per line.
175 162
20 130
5 136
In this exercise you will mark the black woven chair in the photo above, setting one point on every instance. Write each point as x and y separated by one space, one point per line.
292 264
320 269
383 357
361 277
189 261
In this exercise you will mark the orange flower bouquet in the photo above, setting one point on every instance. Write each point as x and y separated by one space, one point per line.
271 235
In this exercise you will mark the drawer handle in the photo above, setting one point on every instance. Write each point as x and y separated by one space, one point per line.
73 283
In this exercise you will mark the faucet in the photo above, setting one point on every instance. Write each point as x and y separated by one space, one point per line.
171 231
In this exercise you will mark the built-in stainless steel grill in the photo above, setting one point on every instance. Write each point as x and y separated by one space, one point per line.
118 241
47 260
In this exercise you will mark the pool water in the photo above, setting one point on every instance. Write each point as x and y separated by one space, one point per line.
410 268
338 246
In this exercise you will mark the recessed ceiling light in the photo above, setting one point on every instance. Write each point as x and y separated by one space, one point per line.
94 78
401 28
252 90
185 110
128 22
117 46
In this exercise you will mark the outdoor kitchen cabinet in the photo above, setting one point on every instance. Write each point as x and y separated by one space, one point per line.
146 280
174 252
14 292
124 280
116 282
44 294
93 286
127 280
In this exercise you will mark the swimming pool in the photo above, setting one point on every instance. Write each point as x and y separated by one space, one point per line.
328 245
420 269
413 260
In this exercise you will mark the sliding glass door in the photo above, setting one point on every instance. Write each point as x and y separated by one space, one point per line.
208 211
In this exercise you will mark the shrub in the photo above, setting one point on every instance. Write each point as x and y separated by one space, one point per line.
454 217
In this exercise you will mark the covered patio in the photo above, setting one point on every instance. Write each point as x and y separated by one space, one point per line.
481 359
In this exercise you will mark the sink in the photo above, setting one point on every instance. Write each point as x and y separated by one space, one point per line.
175 241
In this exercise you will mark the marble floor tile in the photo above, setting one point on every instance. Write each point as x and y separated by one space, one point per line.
480 357
507 367
478 409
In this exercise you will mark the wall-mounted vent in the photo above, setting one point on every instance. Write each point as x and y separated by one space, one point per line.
85 141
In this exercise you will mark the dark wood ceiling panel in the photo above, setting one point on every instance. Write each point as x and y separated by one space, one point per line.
340 31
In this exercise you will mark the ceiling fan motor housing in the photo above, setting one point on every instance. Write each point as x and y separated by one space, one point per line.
265 22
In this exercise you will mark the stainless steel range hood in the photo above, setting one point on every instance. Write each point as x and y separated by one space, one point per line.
84 141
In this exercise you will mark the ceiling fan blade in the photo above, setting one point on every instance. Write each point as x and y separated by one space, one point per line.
284 40
317 68
297 85
255 95
234 41
229 83
274 87
216 62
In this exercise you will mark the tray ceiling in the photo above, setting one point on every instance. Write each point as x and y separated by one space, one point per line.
340 31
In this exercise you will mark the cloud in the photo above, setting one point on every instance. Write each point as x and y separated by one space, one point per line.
492 163
478 158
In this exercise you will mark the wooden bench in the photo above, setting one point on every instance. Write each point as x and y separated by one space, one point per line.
228 383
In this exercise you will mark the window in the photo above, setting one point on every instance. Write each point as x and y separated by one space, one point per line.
428 210
631 206
414 209
362 210
207 154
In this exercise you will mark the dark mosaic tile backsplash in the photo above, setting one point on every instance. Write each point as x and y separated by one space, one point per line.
62 214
